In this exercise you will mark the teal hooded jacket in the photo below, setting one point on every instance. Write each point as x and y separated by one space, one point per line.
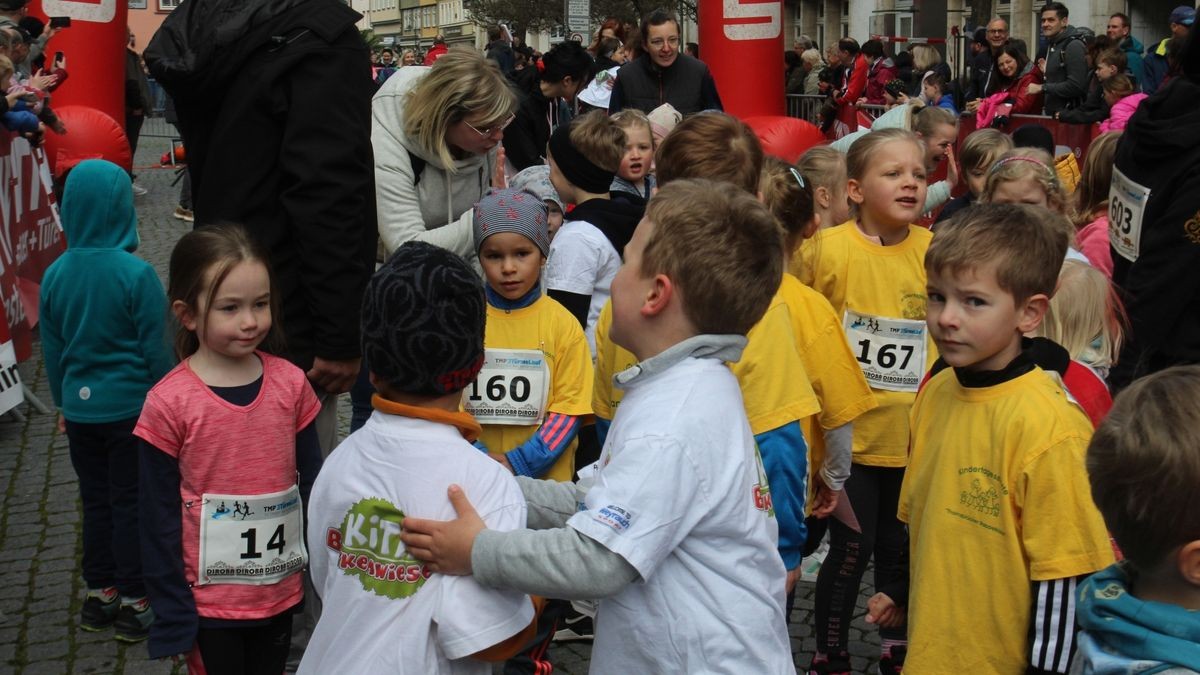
103 309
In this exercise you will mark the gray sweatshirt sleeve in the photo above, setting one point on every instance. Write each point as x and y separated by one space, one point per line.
550 503
839 453
558 563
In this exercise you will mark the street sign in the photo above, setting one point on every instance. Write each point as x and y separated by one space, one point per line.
576 13
576 37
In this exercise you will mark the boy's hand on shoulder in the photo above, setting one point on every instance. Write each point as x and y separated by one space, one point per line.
445 544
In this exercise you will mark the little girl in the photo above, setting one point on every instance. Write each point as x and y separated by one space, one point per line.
1091 201
871 269
938 130
825 168
1122 102
835 376
1085 317
634 175
1026 176
225 435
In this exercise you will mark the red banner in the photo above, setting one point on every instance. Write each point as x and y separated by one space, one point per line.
30 236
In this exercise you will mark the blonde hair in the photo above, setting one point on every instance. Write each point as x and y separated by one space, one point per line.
631 117
461 83
721 249
1091 194
789 196
1085 315
1143 466
600 139
1118 84
825 166
1021 163
926 120
6 66
1027 252
811 56
924 57
858 159
982 147
711 145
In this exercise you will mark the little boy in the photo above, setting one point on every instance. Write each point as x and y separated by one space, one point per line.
979 152
423 321
586 252
536 179
1140 616
676 535
995 497
935 87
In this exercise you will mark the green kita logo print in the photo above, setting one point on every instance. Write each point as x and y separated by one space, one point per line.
369 547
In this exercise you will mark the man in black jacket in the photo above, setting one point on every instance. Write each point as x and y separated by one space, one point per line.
662 74
1065 64
274 105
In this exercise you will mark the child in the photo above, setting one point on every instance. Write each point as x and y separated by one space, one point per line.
675 536
586 253
102 339
1091 201
634 175
1140 616
536 179
826 168
225 435
934 88
1109 62
836 379
16 116
937 128
383 610
1122 101
1027 176
980 150
995 496
870 269
776 392
535 382
1085 317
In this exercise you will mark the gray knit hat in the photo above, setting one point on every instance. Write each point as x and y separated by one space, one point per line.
422 321
508 210
536 179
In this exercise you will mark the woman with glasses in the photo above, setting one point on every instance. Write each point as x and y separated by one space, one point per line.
566 70
661 74
435 133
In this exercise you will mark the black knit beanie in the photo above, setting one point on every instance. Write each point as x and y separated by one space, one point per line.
422 321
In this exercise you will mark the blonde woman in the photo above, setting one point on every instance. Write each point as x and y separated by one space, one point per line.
435 132
926 59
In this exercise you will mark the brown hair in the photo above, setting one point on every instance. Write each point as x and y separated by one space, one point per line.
200 262
825 166
1118 84
1091 194
599 139
631 117
789 196
1144 466
720 247
711 145
1026 249
1113 57
982 147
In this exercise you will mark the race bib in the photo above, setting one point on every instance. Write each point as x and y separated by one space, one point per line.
891 352
1126 208
251 539
510 389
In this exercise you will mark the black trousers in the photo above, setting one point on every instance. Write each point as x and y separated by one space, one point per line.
250 650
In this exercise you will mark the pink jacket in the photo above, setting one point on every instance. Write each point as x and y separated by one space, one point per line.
1121 111
1093 244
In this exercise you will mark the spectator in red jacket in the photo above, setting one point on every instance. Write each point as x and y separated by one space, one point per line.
1012 74
436 51
880 71
854 85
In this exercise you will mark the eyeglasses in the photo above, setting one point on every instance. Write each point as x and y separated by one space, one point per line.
658 43
491 131
997 31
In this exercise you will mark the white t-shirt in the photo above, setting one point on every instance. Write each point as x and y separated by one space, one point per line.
681 495
381 614
583 261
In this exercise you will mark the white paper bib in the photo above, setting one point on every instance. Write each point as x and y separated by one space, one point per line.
251 539
891 352
511 388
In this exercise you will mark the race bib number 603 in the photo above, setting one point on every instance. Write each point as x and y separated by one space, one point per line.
251 539
891 352
1126 210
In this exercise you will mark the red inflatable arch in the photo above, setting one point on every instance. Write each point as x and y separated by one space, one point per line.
785 137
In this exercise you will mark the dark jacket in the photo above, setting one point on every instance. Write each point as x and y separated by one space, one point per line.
502 53
686 84
980 74
1160 150
525 139
1154 67
1094 107
274 104
1066 71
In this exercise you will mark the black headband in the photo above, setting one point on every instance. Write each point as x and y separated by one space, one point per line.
578 169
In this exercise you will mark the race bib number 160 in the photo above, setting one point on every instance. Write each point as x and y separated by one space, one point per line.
891 352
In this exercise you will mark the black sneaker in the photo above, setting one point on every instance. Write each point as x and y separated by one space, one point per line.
838 664
133 622
576 627
98 615
893 662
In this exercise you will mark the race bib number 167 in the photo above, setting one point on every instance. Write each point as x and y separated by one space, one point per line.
891 352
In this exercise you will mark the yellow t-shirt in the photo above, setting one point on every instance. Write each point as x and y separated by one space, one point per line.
996 497
547 327
775 387
880 289
836 379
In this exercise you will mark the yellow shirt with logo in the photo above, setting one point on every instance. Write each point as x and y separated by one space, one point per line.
853 272
549 328
996 497
836 379
775 386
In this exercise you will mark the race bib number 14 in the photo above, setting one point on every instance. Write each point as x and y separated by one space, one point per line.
891 352
251 539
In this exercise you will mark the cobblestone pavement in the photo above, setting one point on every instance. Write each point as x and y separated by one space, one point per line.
41 591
